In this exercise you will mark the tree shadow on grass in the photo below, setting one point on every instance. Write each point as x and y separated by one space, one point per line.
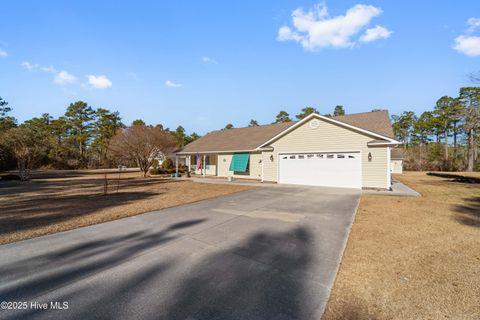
58 185
43 203
27 213
469 212
351 312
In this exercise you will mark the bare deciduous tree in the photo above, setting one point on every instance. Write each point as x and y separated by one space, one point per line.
141 145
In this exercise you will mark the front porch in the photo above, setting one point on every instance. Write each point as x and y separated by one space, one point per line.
205 165
241 165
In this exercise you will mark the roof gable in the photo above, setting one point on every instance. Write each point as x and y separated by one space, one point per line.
376 124
379 120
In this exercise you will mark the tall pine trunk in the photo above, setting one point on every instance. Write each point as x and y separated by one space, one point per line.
446 145
471 150
455 140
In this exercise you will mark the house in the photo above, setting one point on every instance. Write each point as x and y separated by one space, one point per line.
396 160
351 151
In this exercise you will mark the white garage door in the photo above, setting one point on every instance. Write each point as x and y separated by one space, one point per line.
334 169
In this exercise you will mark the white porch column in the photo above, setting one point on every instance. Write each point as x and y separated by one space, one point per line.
204 167
176 166
189 160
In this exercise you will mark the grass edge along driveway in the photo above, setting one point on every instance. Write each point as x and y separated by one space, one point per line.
412 258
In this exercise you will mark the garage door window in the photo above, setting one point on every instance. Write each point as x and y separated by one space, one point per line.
340 156
330 156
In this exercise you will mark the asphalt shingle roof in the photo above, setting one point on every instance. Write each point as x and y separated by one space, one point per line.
249 138
397 153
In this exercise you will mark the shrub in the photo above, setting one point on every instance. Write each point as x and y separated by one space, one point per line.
155 164
154 171
167 164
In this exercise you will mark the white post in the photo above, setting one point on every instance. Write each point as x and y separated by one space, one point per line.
176 166
204 167
389 169
189 160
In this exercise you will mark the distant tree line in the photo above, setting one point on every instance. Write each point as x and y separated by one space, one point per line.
444 138
81 138
284 116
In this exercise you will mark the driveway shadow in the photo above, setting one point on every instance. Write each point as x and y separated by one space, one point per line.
76 262
262 277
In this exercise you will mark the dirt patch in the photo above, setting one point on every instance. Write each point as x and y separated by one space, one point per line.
63 202
413 258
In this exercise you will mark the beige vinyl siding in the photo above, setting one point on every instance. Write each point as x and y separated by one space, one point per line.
332 137
397 166
376 173
269 166
255 165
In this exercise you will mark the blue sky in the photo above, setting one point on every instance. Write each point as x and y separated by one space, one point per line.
202 64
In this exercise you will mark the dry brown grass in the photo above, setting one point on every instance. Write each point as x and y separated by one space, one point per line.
413 258
67 201
469 174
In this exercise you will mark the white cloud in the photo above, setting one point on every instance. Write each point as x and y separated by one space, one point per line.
473 23
29 66
99 82
209 60
63 78
468 45
3 53
374 34
315 29
172 84
50 69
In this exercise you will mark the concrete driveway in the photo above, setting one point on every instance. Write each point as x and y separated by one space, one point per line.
268 253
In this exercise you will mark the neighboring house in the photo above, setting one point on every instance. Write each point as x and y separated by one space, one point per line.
351 151
396 156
